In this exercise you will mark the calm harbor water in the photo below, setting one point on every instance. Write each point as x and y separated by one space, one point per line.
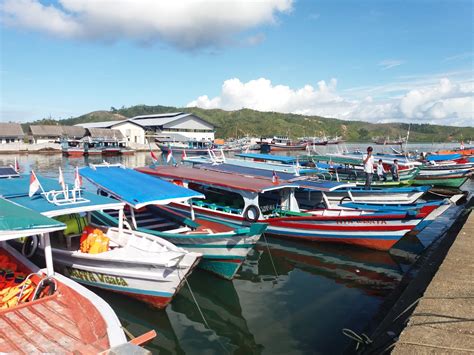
287 298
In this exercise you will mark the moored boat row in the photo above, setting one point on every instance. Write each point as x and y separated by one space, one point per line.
145 230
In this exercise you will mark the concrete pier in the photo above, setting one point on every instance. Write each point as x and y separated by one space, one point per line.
443 320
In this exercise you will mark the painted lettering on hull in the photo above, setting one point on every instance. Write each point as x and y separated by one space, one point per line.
361 222
95 277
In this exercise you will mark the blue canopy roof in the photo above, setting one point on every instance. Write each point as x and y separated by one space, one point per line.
439 157
302 182
16 190
271 157
135 188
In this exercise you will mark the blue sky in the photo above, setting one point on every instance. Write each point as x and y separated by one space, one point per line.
379 61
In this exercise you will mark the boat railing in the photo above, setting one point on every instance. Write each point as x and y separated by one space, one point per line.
64 197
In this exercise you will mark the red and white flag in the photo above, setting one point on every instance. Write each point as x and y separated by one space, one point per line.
274 177
17 166
77 179
183 155
169 156
61 179
153 156
34 184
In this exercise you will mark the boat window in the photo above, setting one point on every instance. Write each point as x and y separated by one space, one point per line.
269 201
218 197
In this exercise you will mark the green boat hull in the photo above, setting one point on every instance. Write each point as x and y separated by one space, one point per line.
450 182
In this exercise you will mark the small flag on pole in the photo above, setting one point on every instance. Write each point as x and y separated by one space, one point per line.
61 179
153 156
169 156
34 184
77 179
274 177
17 166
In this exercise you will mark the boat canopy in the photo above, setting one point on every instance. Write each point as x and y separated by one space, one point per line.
337 159
16 190
227 180
303 182
8 172
17 221
268 157
440 157
135 188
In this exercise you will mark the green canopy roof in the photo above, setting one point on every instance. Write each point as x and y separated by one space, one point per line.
337 159
17 221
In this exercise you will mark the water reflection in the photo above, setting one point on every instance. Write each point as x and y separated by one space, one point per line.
320 289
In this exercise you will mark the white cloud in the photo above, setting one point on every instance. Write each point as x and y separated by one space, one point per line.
390 63
441 102
186 24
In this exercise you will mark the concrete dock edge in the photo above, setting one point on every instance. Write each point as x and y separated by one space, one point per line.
443 320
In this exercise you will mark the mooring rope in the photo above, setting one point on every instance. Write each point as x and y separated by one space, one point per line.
362 339
271 258
202 314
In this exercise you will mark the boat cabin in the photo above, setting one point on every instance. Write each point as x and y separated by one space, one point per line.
248 197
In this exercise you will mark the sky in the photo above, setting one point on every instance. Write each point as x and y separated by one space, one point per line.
376 61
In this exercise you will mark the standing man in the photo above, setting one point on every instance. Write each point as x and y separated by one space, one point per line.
368 160
381 173
394 170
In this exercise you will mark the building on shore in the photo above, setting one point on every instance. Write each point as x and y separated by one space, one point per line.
11 133
54 133
132 132
167 126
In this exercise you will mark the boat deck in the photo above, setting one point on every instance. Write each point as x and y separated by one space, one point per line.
49 326
65 322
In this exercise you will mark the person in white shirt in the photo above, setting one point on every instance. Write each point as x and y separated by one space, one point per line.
381 173
368 160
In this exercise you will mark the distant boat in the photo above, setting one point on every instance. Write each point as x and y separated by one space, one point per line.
284 143
388 141
314 140
192 147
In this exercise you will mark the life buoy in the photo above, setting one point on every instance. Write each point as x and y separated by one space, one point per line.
251 213
29 246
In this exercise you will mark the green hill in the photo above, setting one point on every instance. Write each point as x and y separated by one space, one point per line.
256 123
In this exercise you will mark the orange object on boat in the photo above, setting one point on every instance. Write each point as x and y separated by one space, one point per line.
95 243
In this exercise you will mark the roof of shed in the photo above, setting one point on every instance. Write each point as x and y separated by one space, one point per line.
11 130
105 133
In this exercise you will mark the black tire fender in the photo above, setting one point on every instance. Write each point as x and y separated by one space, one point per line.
29 246
251 213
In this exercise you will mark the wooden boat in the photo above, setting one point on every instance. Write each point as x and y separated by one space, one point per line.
440 207
256 199
464 152
333 196
47 312
134 263
224 248
72 148
268 162
316 141
191 147
282 143
388 141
